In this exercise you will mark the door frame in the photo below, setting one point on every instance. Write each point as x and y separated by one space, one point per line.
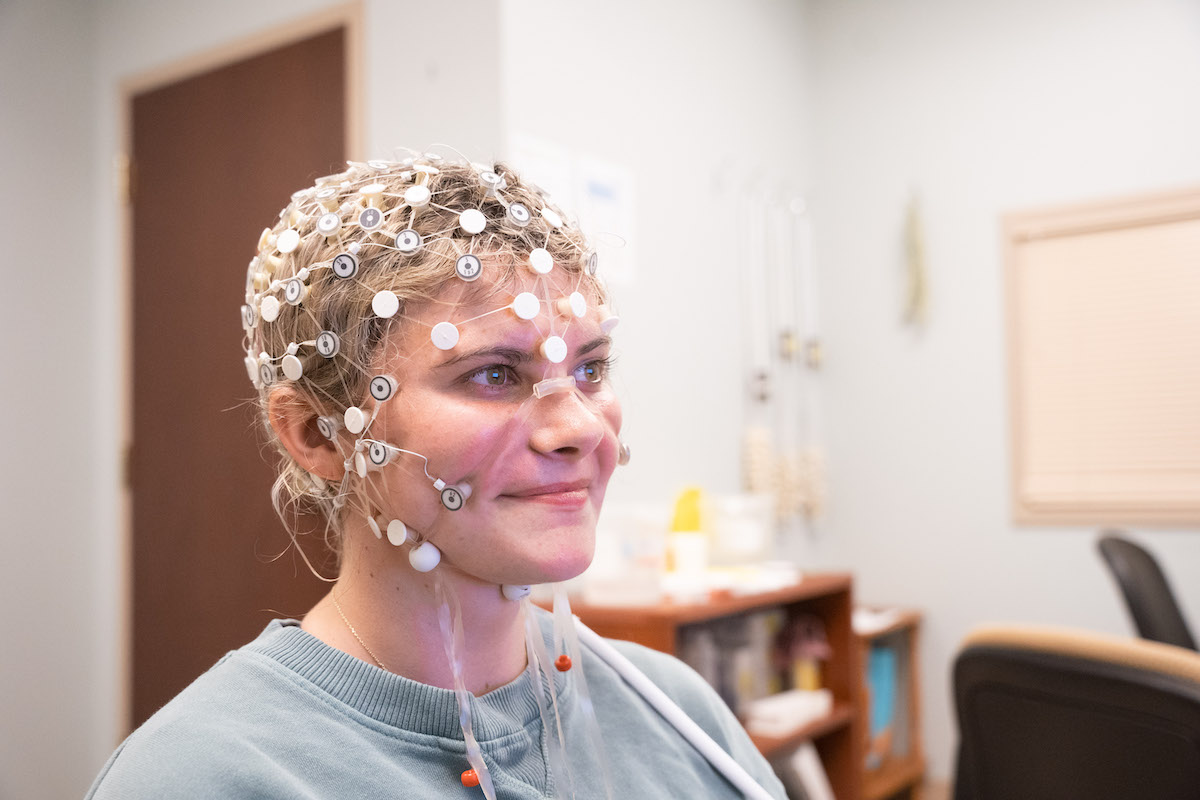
348 15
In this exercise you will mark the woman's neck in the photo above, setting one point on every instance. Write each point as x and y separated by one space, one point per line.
385 613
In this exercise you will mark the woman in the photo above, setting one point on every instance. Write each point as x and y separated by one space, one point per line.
431 347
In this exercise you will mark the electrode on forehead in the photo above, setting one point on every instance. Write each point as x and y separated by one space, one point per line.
608 320
540 260
374 526
575 305
444 335
526 305
553 386
554 349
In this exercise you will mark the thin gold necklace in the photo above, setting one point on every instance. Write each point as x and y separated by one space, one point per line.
370 652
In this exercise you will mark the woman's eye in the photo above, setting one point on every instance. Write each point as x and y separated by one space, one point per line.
495 375
592 371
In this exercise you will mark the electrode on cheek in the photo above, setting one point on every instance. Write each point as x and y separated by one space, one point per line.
380 454
383 387
397 532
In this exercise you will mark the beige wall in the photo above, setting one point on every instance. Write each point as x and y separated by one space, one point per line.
48 697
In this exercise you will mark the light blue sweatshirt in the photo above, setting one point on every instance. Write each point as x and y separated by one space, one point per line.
287 716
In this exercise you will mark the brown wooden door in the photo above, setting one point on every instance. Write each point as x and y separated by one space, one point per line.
214 159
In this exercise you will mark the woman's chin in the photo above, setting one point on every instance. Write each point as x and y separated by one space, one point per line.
564 566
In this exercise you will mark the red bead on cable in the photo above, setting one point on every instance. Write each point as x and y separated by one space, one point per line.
562 663
470 778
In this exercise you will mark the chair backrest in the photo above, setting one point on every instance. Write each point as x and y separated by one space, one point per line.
1062 714
1147 594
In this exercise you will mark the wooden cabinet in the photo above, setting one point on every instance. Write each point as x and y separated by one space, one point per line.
895 762
839 737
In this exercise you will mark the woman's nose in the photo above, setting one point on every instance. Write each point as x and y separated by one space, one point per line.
564 423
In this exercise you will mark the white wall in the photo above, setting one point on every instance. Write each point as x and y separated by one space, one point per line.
701 101
47 481
980 108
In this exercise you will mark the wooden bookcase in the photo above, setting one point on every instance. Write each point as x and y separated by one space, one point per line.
900 774
839 737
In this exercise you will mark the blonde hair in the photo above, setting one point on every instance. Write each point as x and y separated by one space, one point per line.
344 306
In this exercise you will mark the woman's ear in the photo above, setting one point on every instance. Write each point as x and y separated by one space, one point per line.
294 420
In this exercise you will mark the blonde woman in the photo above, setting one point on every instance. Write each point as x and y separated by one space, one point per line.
431 345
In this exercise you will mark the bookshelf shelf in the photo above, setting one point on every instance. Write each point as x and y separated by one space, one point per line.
900 773
771 746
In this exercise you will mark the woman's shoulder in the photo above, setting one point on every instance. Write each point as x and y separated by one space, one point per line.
685 687
206 739
698 700
670 674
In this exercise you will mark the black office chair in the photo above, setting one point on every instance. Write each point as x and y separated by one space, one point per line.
1053 714
1147 593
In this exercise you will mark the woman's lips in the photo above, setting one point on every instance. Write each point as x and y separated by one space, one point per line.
566 494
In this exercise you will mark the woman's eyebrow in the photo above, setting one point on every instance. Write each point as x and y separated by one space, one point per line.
508 355
513 355
595 344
